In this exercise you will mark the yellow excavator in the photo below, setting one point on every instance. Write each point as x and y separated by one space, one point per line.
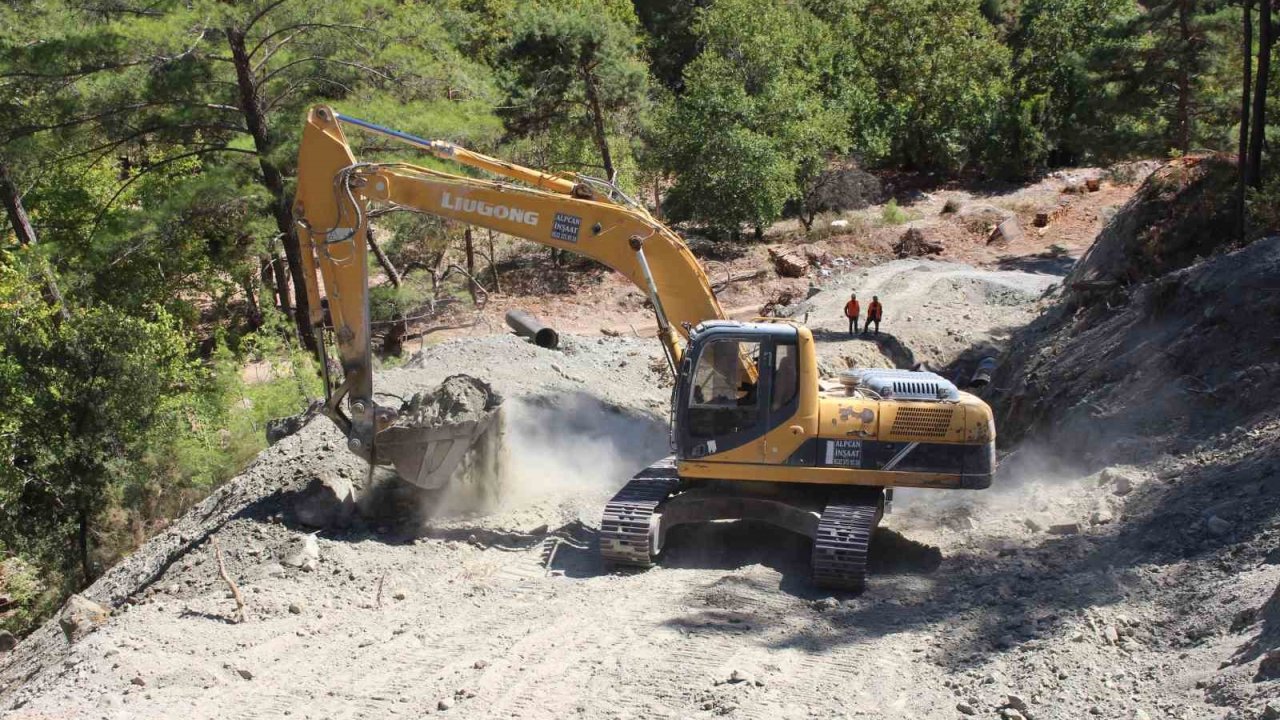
757 434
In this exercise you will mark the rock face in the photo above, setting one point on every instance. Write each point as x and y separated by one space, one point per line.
327 501
81 616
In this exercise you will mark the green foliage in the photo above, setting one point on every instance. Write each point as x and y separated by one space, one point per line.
891 214
574 71
751 127
33 594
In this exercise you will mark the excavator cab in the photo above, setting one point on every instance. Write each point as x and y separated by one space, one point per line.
737 382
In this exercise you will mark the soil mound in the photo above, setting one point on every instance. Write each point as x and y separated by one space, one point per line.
1182 212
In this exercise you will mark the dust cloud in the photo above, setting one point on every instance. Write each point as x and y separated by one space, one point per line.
545 447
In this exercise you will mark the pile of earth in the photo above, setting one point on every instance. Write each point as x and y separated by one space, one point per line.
1163 354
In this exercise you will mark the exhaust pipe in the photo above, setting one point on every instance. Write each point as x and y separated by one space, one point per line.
531 327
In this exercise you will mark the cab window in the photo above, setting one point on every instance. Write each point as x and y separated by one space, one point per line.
724 394
786 376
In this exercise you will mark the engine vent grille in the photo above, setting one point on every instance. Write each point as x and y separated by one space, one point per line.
922 422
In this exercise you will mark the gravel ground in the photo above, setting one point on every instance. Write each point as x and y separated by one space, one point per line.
1057 594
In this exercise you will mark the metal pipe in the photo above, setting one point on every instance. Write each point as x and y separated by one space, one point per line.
982 376
531 327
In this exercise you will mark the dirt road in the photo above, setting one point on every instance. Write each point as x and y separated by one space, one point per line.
1033 599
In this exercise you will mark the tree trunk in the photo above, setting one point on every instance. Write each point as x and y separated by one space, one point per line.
1258 138
493 266
282 282
470 247
272 179
82 542
26 235
1184 77
1242 162
392 274
597 121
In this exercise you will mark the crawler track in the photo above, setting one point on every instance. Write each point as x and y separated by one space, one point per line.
628 518
844 534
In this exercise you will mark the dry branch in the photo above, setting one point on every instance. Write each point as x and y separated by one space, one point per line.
235 591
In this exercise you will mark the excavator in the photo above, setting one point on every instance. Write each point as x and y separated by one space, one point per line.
757 434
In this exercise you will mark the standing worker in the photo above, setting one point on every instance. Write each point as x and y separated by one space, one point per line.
874 311
851 310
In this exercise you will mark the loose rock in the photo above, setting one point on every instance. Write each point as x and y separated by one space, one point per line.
965 709
7 641
307 556
1217 525
81 616
327 501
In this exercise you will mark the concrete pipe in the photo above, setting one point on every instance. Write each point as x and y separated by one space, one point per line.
531 327
982 376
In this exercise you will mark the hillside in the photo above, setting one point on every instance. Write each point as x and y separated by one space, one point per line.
1121 565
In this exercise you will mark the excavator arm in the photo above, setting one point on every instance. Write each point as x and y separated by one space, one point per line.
585 216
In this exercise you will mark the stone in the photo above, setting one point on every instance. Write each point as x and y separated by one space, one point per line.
399 594
1006 232
965 709
738 676
1101 515
137 680
1270 711
247 675
1093 184
1032 524
1064 529
1110 634
1121 480
295 608
444 704
480 664
81 616
1016 702
306 556
981 217
1217 525
327 501
1011 714
7 641
1269 668
826 603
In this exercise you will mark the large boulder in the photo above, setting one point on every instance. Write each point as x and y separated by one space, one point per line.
327 501
981 217
1009 231
81 616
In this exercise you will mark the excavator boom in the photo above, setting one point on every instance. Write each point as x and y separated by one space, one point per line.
582 215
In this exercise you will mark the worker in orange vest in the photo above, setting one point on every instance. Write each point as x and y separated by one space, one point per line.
851 310
874 311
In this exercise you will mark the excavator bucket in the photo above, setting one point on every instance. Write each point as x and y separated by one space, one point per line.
429 456
436 431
